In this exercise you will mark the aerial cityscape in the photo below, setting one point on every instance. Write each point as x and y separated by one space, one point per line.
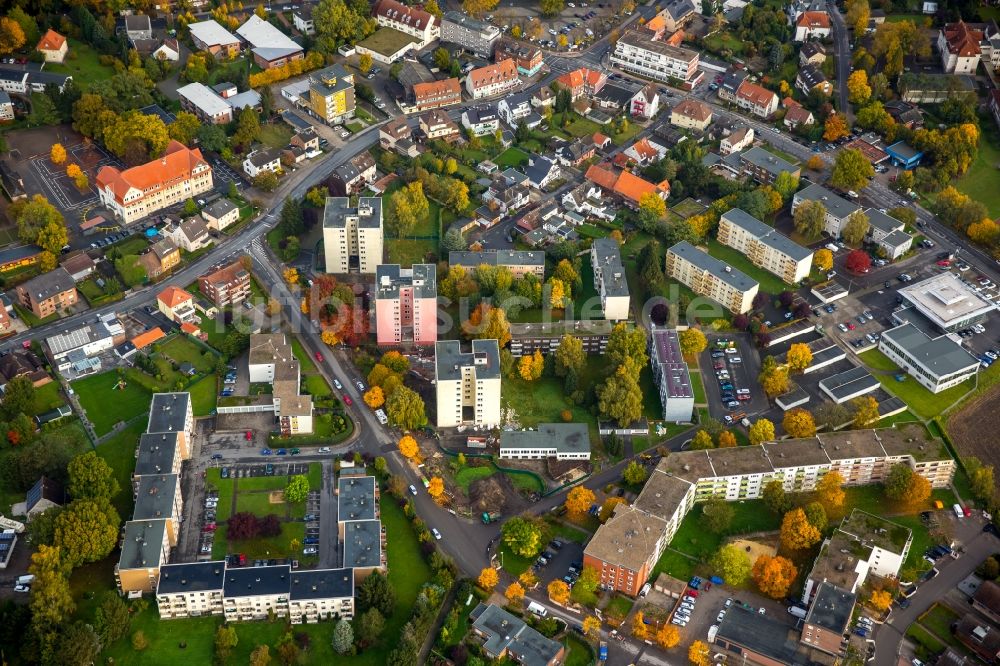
468 332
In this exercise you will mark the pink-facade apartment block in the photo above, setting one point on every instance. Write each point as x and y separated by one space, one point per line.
406 304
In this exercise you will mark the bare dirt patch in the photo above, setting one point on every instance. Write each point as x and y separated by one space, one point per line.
969 427
276 497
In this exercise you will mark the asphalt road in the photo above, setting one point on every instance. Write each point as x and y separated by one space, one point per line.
842 53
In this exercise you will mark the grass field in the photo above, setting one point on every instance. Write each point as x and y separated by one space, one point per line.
525 482
215 329
579 653
305 360
250 483
541 401
83 64
674 564
47 397
317 386
275 135
939 620
922 402
407 252
467 475
119 453
876 360
980 181
512 157
106 406
182 349
924 639
259 504
769 282
204 395
696 386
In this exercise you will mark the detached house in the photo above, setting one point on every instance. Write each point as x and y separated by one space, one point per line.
626 185
582 82
48 293
190 235
517 108
53 46
541 171
961 46
352 176
644 152
437 125
259 161
811 78
508 191
645 103
481 120
812 25
220 214
691 114
737 141
798 115
756 99
161 258
225 285
176 304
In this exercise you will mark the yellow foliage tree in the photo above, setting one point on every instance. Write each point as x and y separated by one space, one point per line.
528 579
727 439
865 411
823 260
531 367
609 507
514 593
761 431
304 306
773 575
73 170
57 154
558 592
291 276
799 423
797 533
557 295
578 500
639 628
857 87
436 488
592 626
799 357
835 127
374 397
986 232
488 579
698 654
775 382
668 636
409 447
880 600
815 163
830 492
330 337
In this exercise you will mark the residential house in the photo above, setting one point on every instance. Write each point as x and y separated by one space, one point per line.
167 51
423 26
53 46
508 637
261 160
828 619
888 234
181 173
708 276
225 284
528 58
467 383
737 141
960 45
212 37
161 258
492 80
190 235
575 153
645 103
671 375
765 166
644 152
610 98
302 19
22 363
214 108
812 53
636 53
353 175
515 109
986 600
812 25
352 236
44 495
220 214
677 13
587 200
306 139
6 107
798 115
270 47
436 124
979 636
406 304
541 171
78 264
481 120
508 191
910 115
543 97
691 114
436 94
394 131
138 26
582 82
756 99
471 34
811 78
626 185
838 209
48 294
176 304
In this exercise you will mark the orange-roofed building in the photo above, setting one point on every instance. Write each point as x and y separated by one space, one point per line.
959 45
656 25
176 304
143 340
180 174
191 329
625 184
436 94
493 79
582 82
812 25
600 141
53 46
756 99
602 176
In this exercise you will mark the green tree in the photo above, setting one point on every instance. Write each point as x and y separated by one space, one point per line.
522 535
297 489
266 181
761 431
732 564
369 627
810 218
634 473
343 637
453 241
196 69
53 237
717 514
855 229
51 600
43 111
76 645
408 207
904 485
28 24
42 526
774 496
981 479
702 440
405 409
86 531
90 477
376 592
627 343
620 397
184 128
212 137
131 271
786 184
551 7
137 137
34 215
650 263
338 23
112 619
816 515
442 59
692 341
569 356
851 170
261 655
18 398
247 128
225 640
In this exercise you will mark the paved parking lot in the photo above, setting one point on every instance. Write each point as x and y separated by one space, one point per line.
743 375
559 566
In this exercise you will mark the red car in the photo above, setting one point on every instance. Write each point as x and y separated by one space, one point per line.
944 262
209 527
692 593
347 400
850 326
967 511
249 435
319 357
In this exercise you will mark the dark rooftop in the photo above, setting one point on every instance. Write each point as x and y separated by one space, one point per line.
252 581
191 577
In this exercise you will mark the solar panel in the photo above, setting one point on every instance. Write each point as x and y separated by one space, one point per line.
34 495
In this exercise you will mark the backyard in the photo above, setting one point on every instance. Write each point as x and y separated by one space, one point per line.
82 63
119 452
107 403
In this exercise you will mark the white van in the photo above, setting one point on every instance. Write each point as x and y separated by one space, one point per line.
537 609
958 511
645 590
797 611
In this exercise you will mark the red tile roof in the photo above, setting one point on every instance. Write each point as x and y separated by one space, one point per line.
51 41
173 296
963 41
503 71
755 94
693 109
400 13
177 164
149 337
813 20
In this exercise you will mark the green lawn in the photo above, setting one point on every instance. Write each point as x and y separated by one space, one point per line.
317 386
467 475
512 157
724 40
47 397
182 349
215 329
204 395
276 134
924 639
579 653
749 516
541 401
696 386
251 483
513 564
876 360
407 252
305 360
569 532
119 453
939 620
105 405
769 282
83 64
214 479
259 504
980 181
315 476
674 564
922 402
619 606
527 482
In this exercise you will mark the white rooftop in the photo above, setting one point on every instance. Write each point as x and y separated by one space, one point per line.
945 299
204 98
262 35
211 33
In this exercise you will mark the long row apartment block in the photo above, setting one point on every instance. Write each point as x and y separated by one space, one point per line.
764 246
627 547
707 276
638 53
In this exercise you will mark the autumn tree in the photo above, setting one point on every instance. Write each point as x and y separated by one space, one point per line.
11 36
797 533
374 397
835 127
799 357
514 593
773 576
569 356
405 409
608 507
830 491
488 579
810 219
592 627
774 496
851 170
692 341
578 500
86 530
880 600
858 261
523 535
634 473
815 163
668 636
558 592
409 448
702 440
980 478
798 423
858 15
436 488
698 654
761 431
487 323
904 485
717 514
727 439
57 153
652 207
620 397
858 89
90 476
865 411
531 366
732 564
408 207
51 600
639 628
365 63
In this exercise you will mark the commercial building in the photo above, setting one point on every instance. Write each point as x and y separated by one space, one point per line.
518 262
331 95
48 294
848 385
352 237
671 375
528 58
937 362
888 234
491 80
467 384
829 618
86 341
904 156
180 174
508 637
418 24
947 302
270 47
562 441
609 278
214 108
212 37
636 53
225 285
471 34
764 246
708 276
961 46
406 304
838 209
763 639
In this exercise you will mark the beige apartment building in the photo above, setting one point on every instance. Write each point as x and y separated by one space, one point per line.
467 383
352 236
708 276
764 246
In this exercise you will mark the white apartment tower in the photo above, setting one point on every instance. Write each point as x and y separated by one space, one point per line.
467 383
352 237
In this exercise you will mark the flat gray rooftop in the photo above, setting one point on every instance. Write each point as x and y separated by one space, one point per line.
356 498
563 437
191 577
168 412
157 452
362 543
155 497
850 382
940 356
672 367
450 359
720 269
